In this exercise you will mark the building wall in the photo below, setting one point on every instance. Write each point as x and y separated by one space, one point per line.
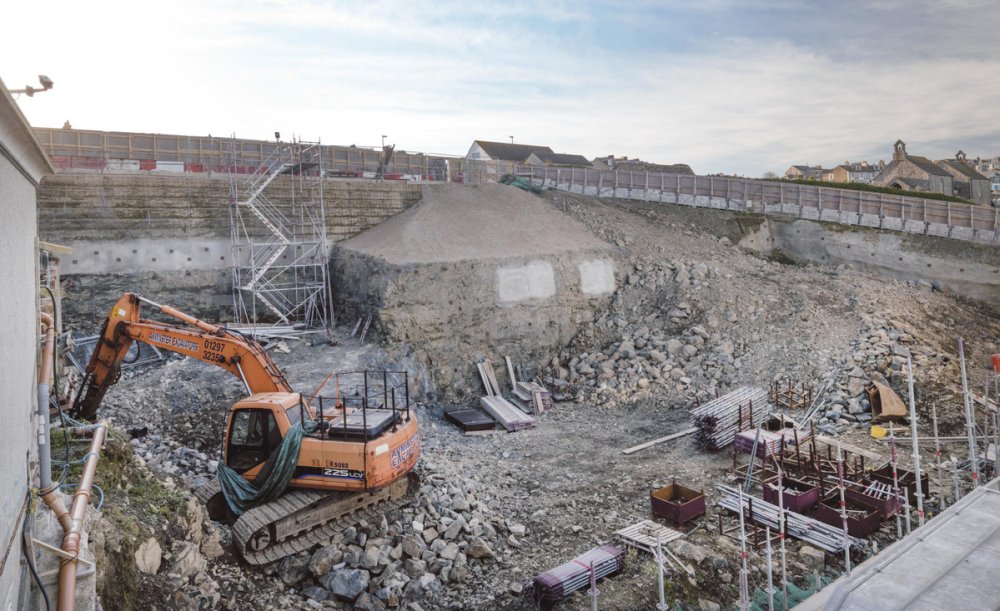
20 162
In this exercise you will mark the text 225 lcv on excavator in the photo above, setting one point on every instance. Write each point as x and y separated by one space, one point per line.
346 457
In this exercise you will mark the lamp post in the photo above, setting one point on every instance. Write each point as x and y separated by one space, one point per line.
383 141
511 139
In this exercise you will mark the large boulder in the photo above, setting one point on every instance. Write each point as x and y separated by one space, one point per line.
148 556
347 584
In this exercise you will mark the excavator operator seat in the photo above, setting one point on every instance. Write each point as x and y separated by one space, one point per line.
254 434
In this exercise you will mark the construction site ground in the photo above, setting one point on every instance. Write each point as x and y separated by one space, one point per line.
567 481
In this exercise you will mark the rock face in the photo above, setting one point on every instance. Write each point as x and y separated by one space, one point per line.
453 269
148 556
188 560
812 557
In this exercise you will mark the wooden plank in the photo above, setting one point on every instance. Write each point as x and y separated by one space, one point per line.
486 381
488 366
510 372
643 446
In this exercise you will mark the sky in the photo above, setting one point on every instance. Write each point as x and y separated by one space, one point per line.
733 86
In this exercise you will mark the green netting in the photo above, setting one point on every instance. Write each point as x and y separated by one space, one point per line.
520 183
271 482
795 594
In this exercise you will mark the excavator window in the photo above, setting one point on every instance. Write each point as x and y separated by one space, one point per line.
254 434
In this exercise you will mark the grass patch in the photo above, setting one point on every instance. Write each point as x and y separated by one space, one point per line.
136 505
860 186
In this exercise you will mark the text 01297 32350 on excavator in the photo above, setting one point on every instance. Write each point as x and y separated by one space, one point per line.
345 457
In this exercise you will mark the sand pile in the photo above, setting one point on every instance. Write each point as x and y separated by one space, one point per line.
458 223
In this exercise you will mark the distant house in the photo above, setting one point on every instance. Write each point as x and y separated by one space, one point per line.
560 160
612 163
806 172
913 173
861 172
966 181
483 150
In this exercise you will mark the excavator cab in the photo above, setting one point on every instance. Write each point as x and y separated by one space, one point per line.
254 436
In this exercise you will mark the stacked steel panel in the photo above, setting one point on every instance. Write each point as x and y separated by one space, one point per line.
554 584
719 420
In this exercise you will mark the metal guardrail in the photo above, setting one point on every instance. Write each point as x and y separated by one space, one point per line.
814 202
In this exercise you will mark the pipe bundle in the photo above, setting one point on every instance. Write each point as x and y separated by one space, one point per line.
719 420
811 531
554 584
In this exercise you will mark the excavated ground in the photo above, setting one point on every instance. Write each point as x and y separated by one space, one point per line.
749 320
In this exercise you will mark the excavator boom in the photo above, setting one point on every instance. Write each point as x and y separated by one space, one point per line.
239 355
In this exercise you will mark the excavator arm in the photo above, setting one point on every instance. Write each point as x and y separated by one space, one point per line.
238 354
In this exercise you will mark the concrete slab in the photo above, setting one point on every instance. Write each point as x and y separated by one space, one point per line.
535 280
597 276
949 563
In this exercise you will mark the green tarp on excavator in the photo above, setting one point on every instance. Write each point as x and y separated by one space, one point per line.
242 494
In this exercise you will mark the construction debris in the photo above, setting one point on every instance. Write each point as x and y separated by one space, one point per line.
886 404
720 419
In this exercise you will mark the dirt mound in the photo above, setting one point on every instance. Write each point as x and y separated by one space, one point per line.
458 223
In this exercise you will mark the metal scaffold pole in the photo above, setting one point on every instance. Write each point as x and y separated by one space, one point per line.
919 493
895 477
970 422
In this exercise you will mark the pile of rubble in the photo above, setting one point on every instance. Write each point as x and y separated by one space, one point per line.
881 353
443 542
653 341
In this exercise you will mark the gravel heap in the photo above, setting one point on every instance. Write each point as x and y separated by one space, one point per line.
458 223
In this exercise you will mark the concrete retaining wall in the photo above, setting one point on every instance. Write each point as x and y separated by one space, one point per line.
971 270
169 236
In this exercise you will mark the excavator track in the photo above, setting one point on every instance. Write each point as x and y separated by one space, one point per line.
300 519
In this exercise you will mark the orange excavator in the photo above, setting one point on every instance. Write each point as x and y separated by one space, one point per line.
355 458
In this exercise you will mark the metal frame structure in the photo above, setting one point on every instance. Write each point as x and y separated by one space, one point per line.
280 251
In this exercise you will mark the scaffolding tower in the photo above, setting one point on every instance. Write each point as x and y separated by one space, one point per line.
280 252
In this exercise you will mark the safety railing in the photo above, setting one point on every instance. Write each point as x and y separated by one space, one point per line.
363 406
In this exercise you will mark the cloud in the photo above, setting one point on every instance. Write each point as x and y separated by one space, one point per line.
726 85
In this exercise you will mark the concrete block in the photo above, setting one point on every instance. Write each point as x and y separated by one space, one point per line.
535 280
590 190
962 233
832 216
718 202
685 200
668 197
938 229
848 218
620 193
575 188
870 220
809 213
892 223
701 201
597 276
791 209
914 227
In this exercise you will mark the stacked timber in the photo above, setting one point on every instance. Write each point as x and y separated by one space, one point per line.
719 420
502 410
